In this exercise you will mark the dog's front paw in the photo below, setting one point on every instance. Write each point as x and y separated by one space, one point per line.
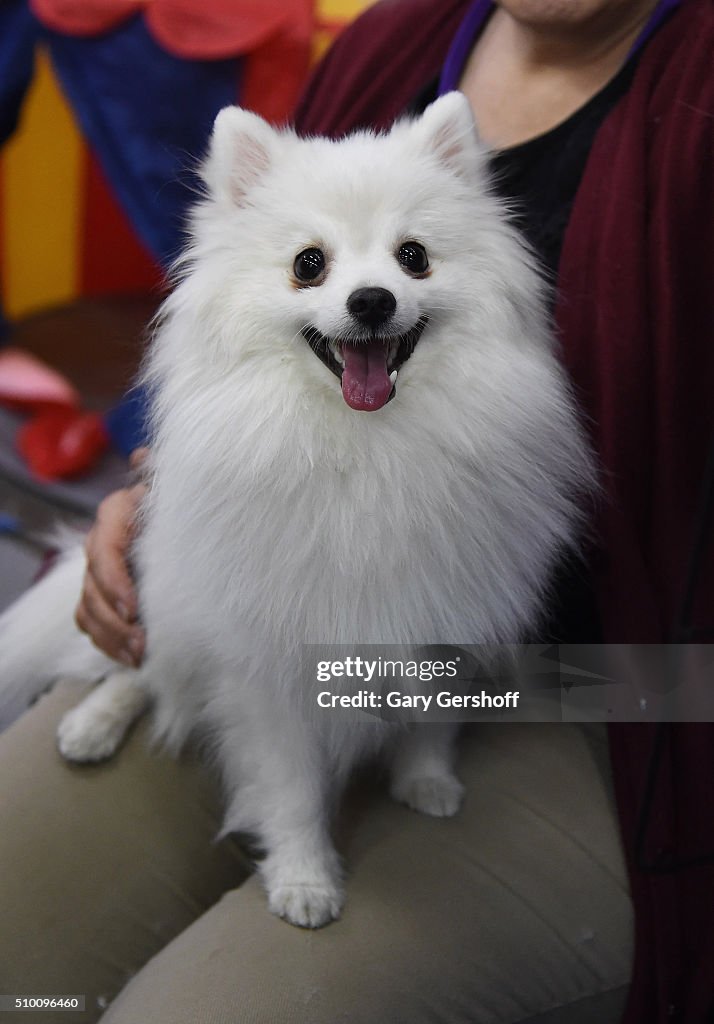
87 734
307 906
438 795
304 886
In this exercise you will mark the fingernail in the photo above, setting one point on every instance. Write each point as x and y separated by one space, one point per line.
136 646
123 611
127 658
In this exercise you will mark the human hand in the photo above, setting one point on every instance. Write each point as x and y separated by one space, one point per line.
108 608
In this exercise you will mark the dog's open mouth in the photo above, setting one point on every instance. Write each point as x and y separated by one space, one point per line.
367 367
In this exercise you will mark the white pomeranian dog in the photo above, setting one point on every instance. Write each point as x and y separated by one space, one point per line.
361 435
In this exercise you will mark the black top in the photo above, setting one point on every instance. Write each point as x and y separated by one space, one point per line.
540 178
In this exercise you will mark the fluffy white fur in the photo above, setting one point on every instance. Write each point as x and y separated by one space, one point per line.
278 516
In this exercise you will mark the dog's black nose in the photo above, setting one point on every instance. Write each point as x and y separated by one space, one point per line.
371 306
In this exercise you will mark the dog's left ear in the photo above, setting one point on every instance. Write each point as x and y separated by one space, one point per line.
242 149
448 130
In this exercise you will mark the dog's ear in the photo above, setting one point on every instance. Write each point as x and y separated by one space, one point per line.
242 149
447 129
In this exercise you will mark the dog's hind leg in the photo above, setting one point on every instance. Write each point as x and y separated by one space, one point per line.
422 774
94 730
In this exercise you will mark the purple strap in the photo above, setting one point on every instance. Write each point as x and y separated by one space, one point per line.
466 35
662 9
479 11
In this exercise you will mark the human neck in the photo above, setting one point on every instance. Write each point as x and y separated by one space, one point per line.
525 76
594 45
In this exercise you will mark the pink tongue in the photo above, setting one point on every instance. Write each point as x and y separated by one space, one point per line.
365 382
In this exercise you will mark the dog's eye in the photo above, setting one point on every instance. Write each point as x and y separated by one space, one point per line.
309 265
412 256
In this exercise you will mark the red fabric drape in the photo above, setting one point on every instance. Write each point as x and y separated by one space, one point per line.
210 30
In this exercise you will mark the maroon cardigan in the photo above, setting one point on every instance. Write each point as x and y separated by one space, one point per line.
636 319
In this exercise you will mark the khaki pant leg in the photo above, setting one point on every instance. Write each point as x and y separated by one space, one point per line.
515 910
100 866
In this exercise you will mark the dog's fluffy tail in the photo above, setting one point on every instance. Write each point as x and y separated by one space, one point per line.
39 641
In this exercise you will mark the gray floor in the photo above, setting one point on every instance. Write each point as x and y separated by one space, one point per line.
27 524
30 511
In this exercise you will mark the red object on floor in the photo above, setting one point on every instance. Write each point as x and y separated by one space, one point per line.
61 441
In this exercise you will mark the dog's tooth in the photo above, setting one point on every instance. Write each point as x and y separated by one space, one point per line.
393 377
336 350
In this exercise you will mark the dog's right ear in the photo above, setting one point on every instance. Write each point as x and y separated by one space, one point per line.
241 151
447 130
